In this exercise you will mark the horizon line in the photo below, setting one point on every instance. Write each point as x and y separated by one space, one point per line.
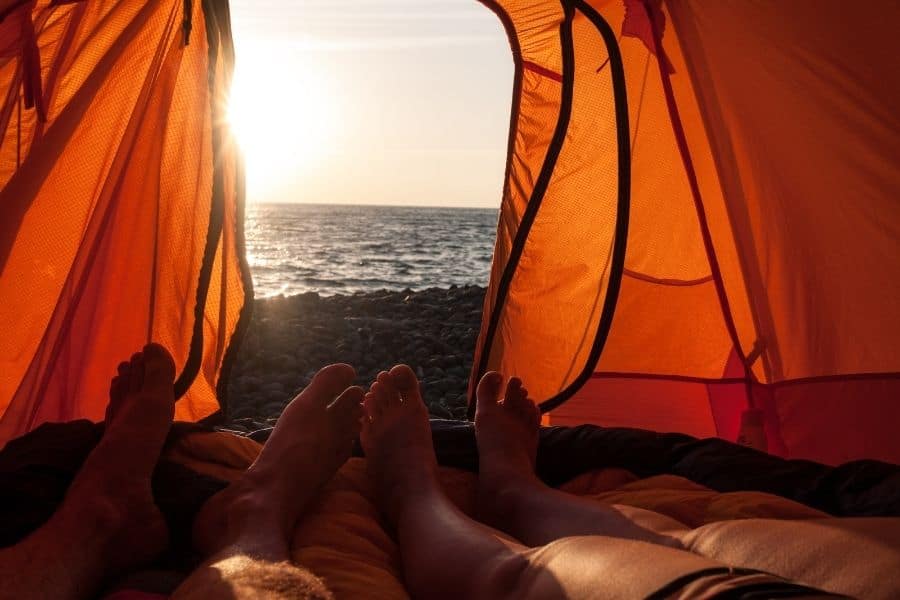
373 204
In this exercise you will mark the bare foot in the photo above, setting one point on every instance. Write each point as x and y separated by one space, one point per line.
396 437
507 433
112 491
312 439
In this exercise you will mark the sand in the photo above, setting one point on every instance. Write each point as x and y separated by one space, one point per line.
290 338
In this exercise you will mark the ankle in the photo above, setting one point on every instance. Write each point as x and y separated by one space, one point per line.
501 492
240 516
100 519
415 486
417 480
511 473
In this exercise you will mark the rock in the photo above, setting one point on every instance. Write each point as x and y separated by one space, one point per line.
241 412
273 409
273 387
249 382
460 412
290 338
458 372
261 434
444 385
439 410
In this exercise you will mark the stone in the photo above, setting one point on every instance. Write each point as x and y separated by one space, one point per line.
241 412
458 372
272 409
290 338
439 410
273 386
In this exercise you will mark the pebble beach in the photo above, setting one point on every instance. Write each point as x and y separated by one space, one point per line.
291 337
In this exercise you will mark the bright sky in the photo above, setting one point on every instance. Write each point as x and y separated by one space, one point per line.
371 101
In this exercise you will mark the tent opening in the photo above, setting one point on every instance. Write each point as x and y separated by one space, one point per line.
375 139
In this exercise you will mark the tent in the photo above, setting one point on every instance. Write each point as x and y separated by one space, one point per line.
700 228
121 202
697 228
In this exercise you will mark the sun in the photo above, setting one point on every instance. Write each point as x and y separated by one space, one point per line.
282 113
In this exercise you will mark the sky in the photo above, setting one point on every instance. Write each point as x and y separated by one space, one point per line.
401 102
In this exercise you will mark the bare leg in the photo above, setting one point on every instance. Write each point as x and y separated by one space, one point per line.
108 521
513 499
447 555
444 553
246 528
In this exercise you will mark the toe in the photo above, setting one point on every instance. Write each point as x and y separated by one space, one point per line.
516 396
487 394
377 401
518 402
381 398
119 386
373 408
385 380
530 407
328 383
523 407
136 372
513 388
348 405
347 413
117 389
407 384
159 367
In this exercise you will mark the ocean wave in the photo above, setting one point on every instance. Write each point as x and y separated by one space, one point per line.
294 249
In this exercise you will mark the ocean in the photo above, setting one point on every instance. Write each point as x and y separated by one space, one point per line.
338 249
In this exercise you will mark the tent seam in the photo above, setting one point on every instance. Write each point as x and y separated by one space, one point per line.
681 142
246 312
620 240
213 233
534 203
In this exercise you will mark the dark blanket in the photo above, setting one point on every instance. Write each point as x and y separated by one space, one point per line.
859 488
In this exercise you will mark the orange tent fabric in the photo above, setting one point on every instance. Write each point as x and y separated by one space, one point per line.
121 202
700 221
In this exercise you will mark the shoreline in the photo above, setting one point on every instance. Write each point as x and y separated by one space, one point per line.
291 337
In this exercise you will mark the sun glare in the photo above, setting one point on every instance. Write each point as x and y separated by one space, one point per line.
282 114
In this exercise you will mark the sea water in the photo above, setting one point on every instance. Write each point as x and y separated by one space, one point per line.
339 249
